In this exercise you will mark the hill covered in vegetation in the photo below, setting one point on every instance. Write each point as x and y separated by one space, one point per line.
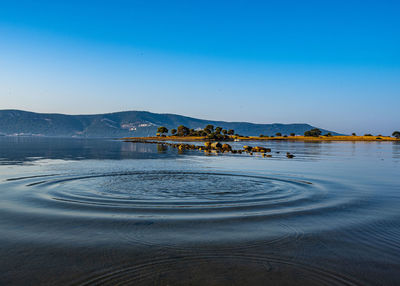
125 124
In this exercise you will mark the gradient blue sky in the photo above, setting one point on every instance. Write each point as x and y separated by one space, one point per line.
333 64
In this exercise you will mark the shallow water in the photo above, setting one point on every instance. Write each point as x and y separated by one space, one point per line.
104 212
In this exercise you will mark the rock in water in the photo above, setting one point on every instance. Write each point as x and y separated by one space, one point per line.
247 148
226 147
216 145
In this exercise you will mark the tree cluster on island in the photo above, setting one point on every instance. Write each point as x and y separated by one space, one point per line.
217 133
395 134
316 133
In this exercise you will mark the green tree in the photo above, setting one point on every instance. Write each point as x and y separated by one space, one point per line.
173 131
353 134
224 131
231 132
278 134
396 134
183 130
218 130
209 128
313 133
162 130
292 134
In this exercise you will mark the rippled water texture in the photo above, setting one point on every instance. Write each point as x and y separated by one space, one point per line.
102 212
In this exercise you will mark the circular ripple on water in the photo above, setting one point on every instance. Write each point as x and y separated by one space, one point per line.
178 209
177 190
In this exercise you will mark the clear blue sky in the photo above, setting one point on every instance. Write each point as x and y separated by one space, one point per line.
333 64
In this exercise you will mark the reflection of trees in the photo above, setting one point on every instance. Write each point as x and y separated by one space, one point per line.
396 150
310 150
161 148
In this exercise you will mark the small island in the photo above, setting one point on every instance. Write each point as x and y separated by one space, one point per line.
213 136
209 133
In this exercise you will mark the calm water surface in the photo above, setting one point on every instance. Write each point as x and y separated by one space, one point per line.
103 212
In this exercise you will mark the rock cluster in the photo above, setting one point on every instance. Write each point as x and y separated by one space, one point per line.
217 147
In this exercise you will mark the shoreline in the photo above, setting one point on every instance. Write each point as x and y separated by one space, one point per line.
257 138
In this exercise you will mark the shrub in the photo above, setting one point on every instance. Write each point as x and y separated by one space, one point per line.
278 134
396 134
292 134
173 131
231 132
261 135
367 134
313 133
353 134
162 130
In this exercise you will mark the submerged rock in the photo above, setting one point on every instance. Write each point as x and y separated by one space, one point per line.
290 156
226 147
247 148
261 149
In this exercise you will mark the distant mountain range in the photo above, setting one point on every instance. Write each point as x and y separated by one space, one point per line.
123 124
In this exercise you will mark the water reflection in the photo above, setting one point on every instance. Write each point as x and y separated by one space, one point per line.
27 149
112 212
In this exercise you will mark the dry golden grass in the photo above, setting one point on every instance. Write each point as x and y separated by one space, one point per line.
323 138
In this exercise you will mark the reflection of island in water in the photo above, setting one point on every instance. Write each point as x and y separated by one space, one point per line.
31 149
19 150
